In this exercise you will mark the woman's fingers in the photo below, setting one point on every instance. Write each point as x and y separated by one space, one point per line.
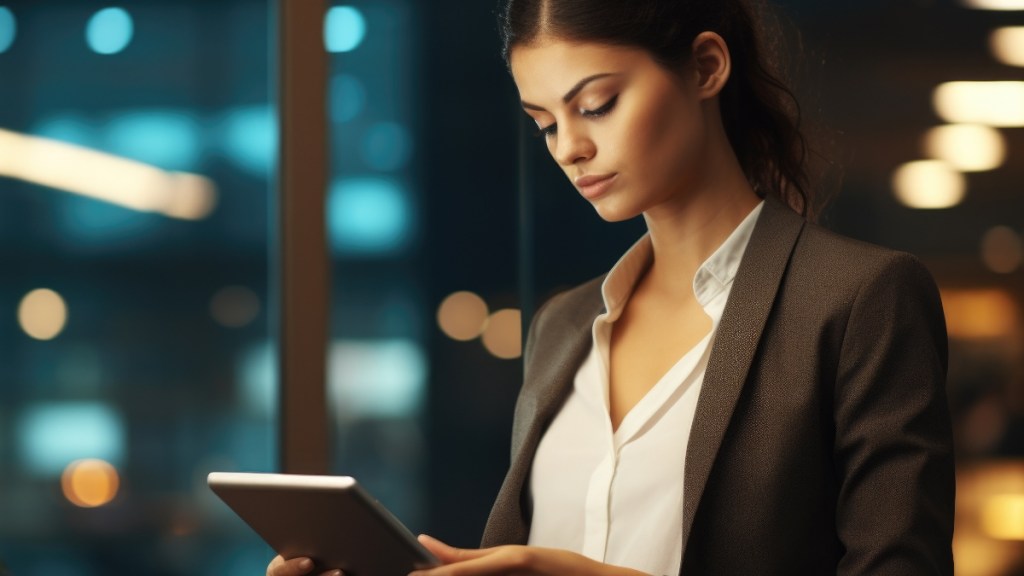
500 560
521 560
448 554
294 567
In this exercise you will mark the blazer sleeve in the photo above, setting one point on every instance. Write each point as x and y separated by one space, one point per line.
893 446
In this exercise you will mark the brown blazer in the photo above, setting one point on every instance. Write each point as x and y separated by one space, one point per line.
821 442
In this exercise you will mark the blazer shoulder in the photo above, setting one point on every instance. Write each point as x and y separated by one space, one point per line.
581 302
833 254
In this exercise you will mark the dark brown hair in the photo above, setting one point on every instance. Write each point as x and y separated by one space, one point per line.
760 114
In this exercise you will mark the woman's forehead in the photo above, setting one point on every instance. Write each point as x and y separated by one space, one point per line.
548 68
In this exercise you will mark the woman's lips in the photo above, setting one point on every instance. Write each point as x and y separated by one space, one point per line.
593 186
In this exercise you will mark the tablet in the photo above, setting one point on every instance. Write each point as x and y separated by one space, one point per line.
329 519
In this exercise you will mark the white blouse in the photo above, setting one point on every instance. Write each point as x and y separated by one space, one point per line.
617 497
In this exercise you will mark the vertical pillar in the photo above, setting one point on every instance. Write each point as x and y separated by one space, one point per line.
303 264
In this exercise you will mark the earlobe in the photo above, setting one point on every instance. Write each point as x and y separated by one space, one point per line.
713 63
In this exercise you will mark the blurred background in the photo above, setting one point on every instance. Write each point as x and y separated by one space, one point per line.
139 213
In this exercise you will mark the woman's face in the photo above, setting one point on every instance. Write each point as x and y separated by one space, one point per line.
628 133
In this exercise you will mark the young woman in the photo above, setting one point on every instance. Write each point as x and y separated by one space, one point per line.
744 392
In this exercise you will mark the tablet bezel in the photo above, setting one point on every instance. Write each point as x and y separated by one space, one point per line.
330 519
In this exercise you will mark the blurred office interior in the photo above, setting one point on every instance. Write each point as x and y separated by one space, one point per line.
146 231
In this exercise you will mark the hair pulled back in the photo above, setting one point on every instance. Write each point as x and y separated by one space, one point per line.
760 114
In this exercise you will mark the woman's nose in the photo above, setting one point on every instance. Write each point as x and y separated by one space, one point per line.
572 145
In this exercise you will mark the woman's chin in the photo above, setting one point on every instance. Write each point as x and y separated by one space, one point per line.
614 213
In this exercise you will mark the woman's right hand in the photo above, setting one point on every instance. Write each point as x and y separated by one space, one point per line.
295 567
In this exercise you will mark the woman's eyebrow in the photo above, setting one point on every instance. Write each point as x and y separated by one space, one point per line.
572 92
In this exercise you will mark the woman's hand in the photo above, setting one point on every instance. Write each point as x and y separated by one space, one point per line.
513 560
295 567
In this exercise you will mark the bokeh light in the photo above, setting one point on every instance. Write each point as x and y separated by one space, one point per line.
51 434
503 335
376 378
368 215
344 29
979 556
105 176
348 97
90 483
991 103
928 184
109 31
1002 249
989 517
994 4
8 28
462 315
1007 44
42 314
966 147
234 306
249 137
256 375
194 197
166 138
386 146
979 314
1003 517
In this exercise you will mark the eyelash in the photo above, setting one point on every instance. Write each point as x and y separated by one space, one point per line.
602 110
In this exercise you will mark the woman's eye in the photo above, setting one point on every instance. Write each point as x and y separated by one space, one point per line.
552 129
601 111
545 131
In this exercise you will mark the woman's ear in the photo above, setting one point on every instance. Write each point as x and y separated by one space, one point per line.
713 63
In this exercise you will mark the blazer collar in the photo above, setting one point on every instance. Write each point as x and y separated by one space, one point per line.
746 313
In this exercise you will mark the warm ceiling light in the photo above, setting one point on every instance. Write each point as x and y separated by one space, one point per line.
994 4
105 177
929 184
1007 45
966 147
990 103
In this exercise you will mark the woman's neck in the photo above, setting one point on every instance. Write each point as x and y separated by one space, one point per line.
685 232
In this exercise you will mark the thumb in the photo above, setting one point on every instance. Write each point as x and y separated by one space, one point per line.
448 554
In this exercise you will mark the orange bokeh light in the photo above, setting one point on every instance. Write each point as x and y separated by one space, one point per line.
90 483
462 315
503 335
982 313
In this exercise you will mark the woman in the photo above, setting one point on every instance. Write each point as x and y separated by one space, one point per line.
744 392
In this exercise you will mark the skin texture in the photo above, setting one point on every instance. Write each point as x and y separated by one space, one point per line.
658 134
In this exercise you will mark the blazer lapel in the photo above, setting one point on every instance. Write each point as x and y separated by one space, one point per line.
552 370
549 377
743 320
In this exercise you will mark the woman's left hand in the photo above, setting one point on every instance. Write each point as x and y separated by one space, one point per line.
513 560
